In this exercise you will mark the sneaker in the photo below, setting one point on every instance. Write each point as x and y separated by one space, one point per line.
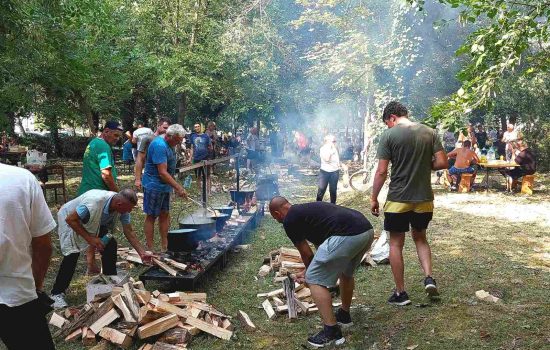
400 299
327 336
430 286
59 301
343 318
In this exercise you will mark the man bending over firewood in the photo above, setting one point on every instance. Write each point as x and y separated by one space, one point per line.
86 221
342 236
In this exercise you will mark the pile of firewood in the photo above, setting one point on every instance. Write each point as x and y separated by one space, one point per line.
171 266
284 262
292 299
129 314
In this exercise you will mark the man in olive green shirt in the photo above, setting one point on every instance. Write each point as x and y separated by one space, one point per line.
99 172
414 150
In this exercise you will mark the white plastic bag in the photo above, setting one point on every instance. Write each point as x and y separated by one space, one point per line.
380 252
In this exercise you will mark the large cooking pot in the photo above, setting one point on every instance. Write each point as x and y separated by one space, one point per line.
206 228
226 209
220 219
267 187
182 240
240 197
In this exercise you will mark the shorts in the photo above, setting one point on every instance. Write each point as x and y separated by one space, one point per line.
401 217
155 202
338 255
458 171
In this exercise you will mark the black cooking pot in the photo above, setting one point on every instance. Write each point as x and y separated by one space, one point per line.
240 197
182 240
206 228
220 219
224 209
267 187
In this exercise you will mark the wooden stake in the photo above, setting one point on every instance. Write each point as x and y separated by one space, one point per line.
288 286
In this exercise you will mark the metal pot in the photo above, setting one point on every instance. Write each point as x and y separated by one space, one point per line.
205 227
227 209
182 240
240 197
221 219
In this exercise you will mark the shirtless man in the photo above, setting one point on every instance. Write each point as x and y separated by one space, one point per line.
465 158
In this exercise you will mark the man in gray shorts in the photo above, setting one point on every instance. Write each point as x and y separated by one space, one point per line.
342 236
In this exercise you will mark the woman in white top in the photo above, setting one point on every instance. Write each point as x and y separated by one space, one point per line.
510 136
330 169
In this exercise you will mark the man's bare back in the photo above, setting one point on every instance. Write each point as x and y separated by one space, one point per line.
464 157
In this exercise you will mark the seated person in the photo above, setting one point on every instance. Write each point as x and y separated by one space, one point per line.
465 158
525 157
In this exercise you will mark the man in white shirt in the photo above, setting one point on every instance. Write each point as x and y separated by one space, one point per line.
330 169
509 136
25 251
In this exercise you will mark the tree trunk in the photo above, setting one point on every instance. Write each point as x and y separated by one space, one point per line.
182 107
95 120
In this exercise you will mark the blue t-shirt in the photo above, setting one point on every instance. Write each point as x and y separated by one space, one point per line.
159 152
106 217
200 146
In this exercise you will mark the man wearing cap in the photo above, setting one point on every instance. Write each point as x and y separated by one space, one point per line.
99 172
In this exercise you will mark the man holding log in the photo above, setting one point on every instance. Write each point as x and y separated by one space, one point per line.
342 236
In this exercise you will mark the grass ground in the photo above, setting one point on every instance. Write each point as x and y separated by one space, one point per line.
496 242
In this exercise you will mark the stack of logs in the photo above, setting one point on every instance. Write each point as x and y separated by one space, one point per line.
163 321
292 299
284 262
171 266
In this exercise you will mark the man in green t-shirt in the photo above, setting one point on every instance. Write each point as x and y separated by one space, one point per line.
414 150
99 172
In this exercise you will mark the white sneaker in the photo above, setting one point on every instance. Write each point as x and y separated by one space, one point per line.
59 301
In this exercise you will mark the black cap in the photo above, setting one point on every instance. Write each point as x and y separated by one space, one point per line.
113 125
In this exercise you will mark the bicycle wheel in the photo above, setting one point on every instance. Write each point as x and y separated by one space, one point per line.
359 181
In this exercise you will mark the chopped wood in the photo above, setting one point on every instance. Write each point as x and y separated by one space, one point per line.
146 347
282 309
163 346
128 328
194 312
143 296
105 320
288 286
208 308
71 312
158 326
131 300
312 309
301 305
207 318
139 285
200 324
118 338
88 337
246 322
77 323
165 267
164 297
268 309
103 309
134 258
192 329
74 335
176 264
278 301
102 345
173 297
216 320
176 336
156 293
226 324
57 320
273 293
264 270
304 293
121 305
186 297
147 314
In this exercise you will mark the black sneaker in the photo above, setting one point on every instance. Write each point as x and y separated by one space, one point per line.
327 336
430 287
400 299
343 318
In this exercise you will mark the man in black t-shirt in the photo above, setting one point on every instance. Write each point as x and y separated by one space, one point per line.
342 236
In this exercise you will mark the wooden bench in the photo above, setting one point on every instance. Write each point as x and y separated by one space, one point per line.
465 183
527 184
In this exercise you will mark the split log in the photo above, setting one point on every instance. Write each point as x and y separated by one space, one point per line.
278 301
121 305
208 308
88 337
301 305
158 326
176 264
147 315
57 321
134 259
146 347
74 335
118 338
288 286
131 300
78 322
268 309
175 336
165 267
304 293
104 321
264 270
246 323
192 329
226 324
128 328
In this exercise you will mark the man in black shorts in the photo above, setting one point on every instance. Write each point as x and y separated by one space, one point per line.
414 150
342 236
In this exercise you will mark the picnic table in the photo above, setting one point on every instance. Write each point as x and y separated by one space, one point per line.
13 156
495 165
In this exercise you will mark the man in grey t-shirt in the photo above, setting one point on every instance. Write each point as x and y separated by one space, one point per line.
414 150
